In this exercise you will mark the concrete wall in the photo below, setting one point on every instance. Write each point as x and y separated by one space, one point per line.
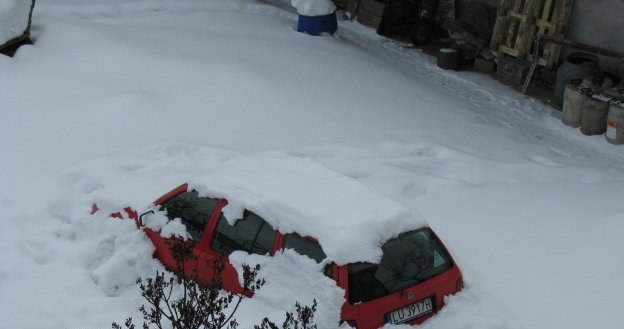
599 23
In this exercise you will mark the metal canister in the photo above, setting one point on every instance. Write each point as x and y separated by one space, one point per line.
573 101
615 122
594 115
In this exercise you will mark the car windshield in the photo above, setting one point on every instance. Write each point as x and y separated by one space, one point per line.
408 259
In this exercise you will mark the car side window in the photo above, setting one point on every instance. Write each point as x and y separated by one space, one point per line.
194 211
304 246
307 247
251 234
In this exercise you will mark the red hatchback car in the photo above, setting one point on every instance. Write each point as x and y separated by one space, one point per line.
408 285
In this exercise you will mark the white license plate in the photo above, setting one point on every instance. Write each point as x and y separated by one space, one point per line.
410 312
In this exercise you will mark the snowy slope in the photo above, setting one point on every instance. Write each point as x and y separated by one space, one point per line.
123 100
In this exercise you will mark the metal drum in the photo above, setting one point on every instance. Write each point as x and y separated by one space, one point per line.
576 66
448 59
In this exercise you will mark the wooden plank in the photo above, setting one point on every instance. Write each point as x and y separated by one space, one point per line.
526 30
512 31
561 26
507 50
502 23
543 26
516 14
512 28
547 10
544 21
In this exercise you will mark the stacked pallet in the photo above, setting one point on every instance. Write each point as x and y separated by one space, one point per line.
368 12
519 22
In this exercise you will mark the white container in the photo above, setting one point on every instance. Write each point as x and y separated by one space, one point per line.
594 115
615 123
573 102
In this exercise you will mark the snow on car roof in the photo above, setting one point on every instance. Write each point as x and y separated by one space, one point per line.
350 220
293 194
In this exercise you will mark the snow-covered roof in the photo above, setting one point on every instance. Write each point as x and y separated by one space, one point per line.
294 194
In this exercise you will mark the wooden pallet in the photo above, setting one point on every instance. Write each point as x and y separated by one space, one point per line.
369 12
341 3
519 22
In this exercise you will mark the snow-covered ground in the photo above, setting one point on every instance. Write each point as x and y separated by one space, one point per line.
122 100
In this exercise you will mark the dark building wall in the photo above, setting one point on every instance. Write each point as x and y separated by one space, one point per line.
599 23
493 3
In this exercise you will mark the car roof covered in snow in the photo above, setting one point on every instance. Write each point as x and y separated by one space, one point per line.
293 194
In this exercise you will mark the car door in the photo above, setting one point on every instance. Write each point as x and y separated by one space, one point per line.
251 234
195 213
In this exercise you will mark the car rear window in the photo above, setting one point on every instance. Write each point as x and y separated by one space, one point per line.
407 260
193 211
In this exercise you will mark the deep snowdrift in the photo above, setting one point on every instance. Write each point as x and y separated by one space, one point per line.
132 98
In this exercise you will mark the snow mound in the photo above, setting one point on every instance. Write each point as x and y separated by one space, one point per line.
14 16
313 7
286 273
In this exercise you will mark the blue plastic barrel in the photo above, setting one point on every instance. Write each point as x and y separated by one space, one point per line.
317 25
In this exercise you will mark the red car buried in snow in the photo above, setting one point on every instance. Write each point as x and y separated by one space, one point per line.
390 264
408 285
